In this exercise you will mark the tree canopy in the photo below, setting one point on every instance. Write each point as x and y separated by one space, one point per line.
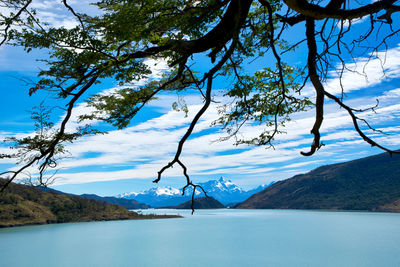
115 42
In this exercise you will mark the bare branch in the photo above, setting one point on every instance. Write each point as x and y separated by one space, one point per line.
319 88
356 126
317 12
75 14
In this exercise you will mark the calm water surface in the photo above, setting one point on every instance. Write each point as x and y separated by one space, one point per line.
212 238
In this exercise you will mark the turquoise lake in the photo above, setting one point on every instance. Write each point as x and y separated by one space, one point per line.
212 238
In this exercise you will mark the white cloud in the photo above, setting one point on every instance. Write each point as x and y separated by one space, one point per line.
367 71
301 164
346 23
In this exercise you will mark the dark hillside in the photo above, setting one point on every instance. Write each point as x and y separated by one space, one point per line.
371 183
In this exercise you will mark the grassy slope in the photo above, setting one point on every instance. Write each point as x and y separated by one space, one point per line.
23 205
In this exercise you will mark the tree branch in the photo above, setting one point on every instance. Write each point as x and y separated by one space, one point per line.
356 126
319 88
11 20
317 12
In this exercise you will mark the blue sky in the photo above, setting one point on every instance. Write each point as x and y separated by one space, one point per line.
128 160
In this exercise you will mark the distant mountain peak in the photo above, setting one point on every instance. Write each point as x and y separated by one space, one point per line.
223 179
156 191
167 190
223 189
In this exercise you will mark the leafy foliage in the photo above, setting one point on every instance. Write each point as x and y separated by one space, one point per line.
115 43
31 146
263 101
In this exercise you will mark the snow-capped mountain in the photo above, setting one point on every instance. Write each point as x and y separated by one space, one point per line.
155 191
221 185
222 189
159 196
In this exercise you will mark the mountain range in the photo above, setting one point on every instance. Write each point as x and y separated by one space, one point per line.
129 204
222 190
371 184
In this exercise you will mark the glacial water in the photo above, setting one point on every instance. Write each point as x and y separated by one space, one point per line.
212 238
